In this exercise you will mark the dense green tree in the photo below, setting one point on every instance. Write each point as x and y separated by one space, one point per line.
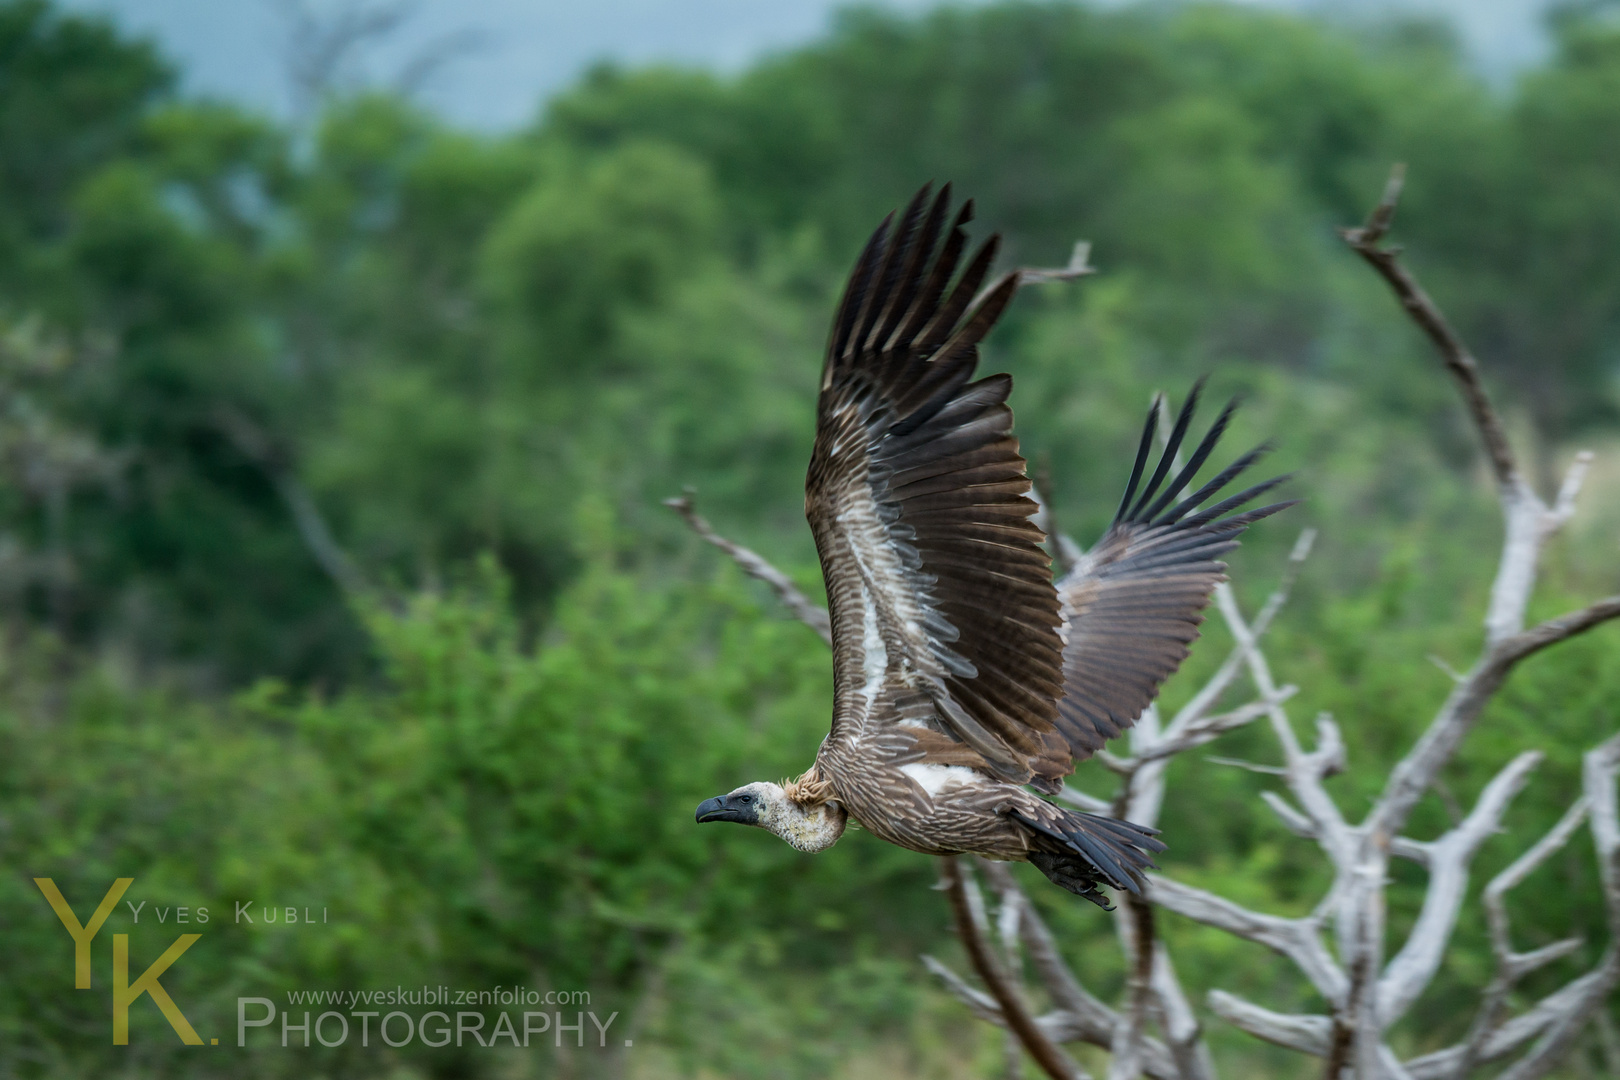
72 97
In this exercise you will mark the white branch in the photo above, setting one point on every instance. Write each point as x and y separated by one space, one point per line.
1297 939
978 1002
1558 1020
1296 822
1393 1069
1521 868
1526 524
1208 728
1415 965
1569 491
1181 1027
1590 991
1304 772
1416 772
1142 795
1235 661
1306 1034
1512 1035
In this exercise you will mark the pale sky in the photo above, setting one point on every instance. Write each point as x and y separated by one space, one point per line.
519 51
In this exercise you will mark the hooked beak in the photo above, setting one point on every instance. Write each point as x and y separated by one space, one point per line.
726 808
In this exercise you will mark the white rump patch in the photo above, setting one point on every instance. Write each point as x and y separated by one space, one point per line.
936 778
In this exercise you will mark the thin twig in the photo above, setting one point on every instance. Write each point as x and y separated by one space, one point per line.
1510 965
1047 1054
1078 267
1366 241
803 608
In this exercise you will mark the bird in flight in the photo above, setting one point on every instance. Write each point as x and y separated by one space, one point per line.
966 683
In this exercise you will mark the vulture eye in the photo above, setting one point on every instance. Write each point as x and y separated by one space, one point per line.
745 798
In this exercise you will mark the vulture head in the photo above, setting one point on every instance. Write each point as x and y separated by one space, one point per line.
807 826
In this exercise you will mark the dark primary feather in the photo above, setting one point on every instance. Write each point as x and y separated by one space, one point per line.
1136 600
955 570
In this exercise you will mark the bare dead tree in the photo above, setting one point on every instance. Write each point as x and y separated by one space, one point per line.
257 445
1339 946
327 42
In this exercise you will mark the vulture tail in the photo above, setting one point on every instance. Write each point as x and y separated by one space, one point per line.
1082 851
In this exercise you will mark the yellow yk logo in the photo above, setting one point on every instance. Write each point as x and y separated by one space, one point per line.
125 993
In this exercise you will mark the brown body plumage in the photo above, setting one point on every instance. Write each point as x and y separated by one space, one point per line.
961 672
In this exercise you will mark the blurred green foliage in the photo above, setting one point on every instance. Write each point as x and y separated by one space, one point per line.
484 359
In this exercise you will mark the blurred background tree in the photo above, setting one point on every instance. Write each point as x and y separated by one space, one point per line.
476 363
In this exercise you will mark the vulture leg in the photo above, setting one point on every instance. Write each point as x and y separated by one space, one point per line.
1072 872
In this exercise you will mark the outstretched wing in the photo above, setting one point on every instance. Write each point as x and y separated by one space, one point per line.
938 589
1133 604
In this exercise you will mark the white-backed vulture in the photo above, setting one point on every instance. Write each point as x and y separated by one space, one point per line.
963 676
